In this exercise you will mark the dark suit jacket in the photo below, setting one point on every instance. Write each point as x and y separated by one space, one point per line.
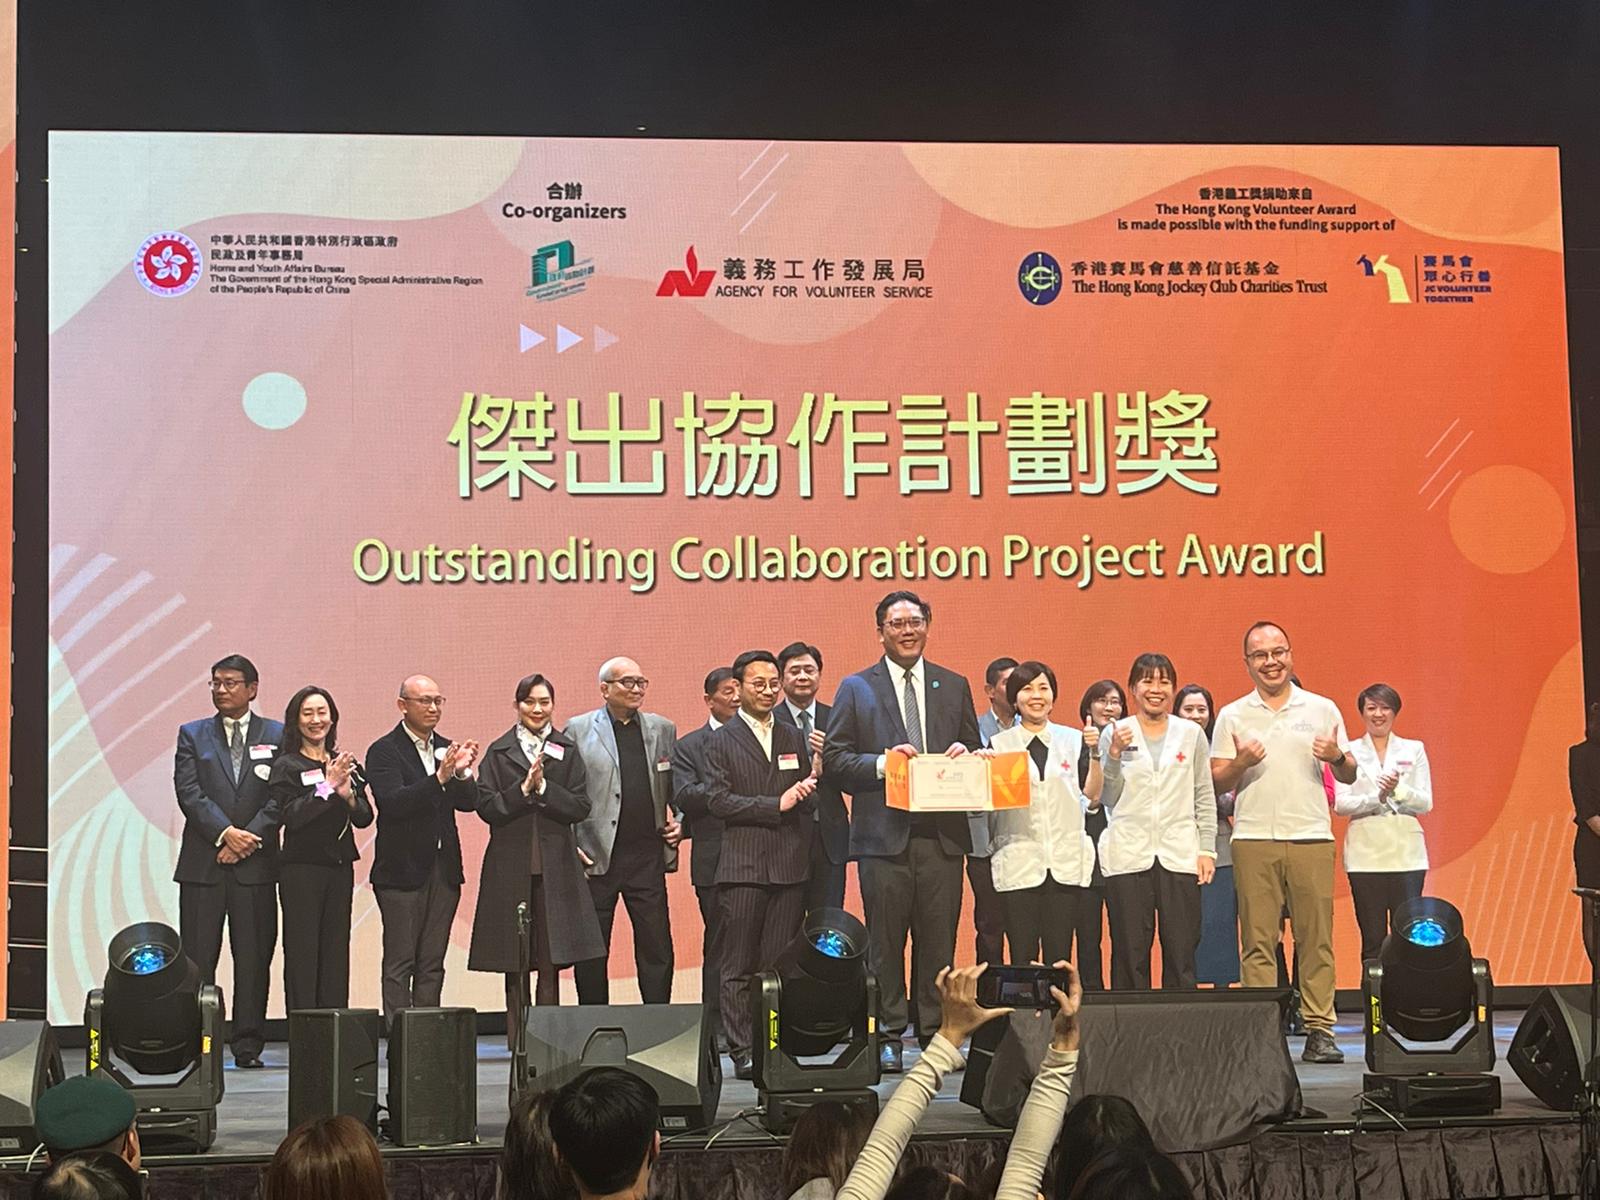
416 817
864 723
834 823
202 775
760 844
514 821
317 830
692 794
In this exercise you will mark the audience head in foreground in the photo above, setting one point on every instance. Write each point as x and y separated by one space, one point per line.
330 1158
88 1112
89 1175
823 1147
929 1183
1130 1173
1094 1125
529 1168
604 1125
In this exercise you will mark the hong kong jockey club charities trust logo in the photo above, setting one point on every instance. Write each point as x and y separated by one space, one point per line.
168 264
1039 278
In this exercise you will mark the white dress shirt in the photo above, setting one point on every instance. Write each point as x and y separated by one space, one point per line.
1386 836
1281 798
762 730
810 710
897 681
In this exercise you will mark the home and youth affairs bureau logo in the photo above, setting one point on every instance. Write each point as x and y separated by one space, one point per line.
168 264
557 272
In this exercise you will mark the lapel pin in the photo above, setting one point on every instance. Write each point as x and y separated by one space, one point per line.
935 683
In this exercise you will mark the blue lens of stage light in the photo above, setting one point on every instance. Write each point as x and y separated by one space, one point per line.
147 960
1426 932
832 943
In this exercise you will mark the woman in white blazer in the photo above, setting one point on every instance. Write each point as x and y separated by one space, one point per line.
1159 846
1041 857
1384 852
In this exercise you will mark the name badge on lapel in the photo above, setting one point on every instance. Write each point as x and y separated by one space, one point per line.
307 778
555 750
664 764
438 755
259 752
788 762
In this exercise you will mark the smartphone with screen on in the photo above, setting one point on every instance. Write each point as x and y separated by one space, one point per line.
1019 986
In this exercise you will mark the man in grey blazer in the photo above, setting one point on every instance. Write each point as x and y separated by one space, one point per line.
630 839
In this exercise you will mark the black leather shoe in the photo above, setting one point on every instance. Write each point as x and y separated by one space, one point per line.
248 1062
889 1058
1321 1048
741 1066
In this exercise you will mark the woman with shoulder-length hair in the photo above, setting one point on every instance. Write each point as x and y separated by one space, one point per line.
531 793
328 1158
1159 846
1041 857
1103 702
317 789
1385 855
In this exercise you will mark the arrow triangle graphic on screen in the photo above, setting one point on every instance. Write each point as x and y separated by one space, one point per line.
566 339
603 338
528 339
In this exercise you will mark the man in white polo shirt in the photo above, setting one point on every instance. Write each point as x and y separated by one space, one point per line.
1268 748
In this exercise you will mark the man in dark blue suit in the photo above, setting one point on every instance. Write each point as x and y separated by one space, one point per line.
801 667
228 859
909 863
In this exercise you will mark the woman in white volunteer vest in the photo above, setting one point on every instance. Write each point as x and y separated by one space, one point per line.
1041 858
1160 840
1384 853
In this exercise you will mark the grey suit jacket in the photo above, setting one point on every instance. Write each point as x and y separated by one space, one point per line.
603 778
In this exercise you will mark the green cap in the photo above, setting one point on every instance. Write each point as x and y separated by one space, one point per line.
82 1112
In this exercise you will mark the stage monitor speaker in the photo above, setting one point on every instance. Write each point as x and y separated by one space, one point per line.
1551 1046
433 1076
1160 1050
30 1062
667 1045
333 1065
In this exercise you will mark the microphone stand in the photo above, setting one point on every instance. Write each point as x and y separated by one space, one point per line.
1589 1111
519 1034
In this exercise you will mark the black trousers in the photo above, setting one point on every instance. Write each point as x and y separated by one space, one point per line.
711 958
1134 901
316 934
1376 895
639 880
989 921
915 894
416 934
825 888
1040 921
251 911
758 923
1089 934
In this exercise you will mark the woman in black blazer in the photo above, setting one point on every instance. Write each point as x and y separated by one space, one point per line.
317 790
531 793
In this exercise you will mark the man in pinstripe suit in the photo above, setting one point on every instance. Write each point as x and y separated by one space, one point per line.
760 785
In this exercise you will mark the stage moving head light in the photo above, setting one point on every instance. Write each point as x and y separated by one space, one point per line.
1428 992
823 972
152 995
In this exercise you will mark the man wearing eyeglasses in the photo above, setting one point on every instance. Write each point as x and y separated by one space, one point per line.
630 840
909 863
419 781
1268 748
228 859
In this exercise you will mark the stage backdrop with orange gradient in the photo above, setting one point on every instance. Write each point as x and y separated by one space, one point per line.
364 406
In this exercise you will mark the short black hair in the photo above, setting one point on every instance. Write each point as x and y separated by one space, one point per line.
1023 675
89 1175
604 1125
717 677
903 597
529 1165
239 663
1194 689
1149 665
1382 693
1263 625
291 740
992 673
527 683
797 650
1097 689
742 663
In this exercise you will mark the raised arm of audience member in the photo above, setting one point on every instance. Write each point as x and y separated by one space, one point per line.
1040 1120
874 1171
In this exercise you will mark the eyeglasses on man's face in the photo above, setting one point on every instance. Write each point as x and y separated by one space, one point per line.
906 625
630 683
1261 657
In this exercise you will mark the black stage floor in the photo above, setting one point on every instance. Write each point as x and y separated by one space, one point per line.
254 1112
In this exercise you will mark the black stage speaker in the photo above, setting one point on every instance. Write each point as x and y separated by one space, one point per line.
433 1076
1204 1069
1551 1046
333 1065
667 1045
30 1062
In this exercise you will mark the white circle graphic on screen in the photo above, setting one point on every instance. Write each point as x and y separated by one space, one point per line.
274 400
